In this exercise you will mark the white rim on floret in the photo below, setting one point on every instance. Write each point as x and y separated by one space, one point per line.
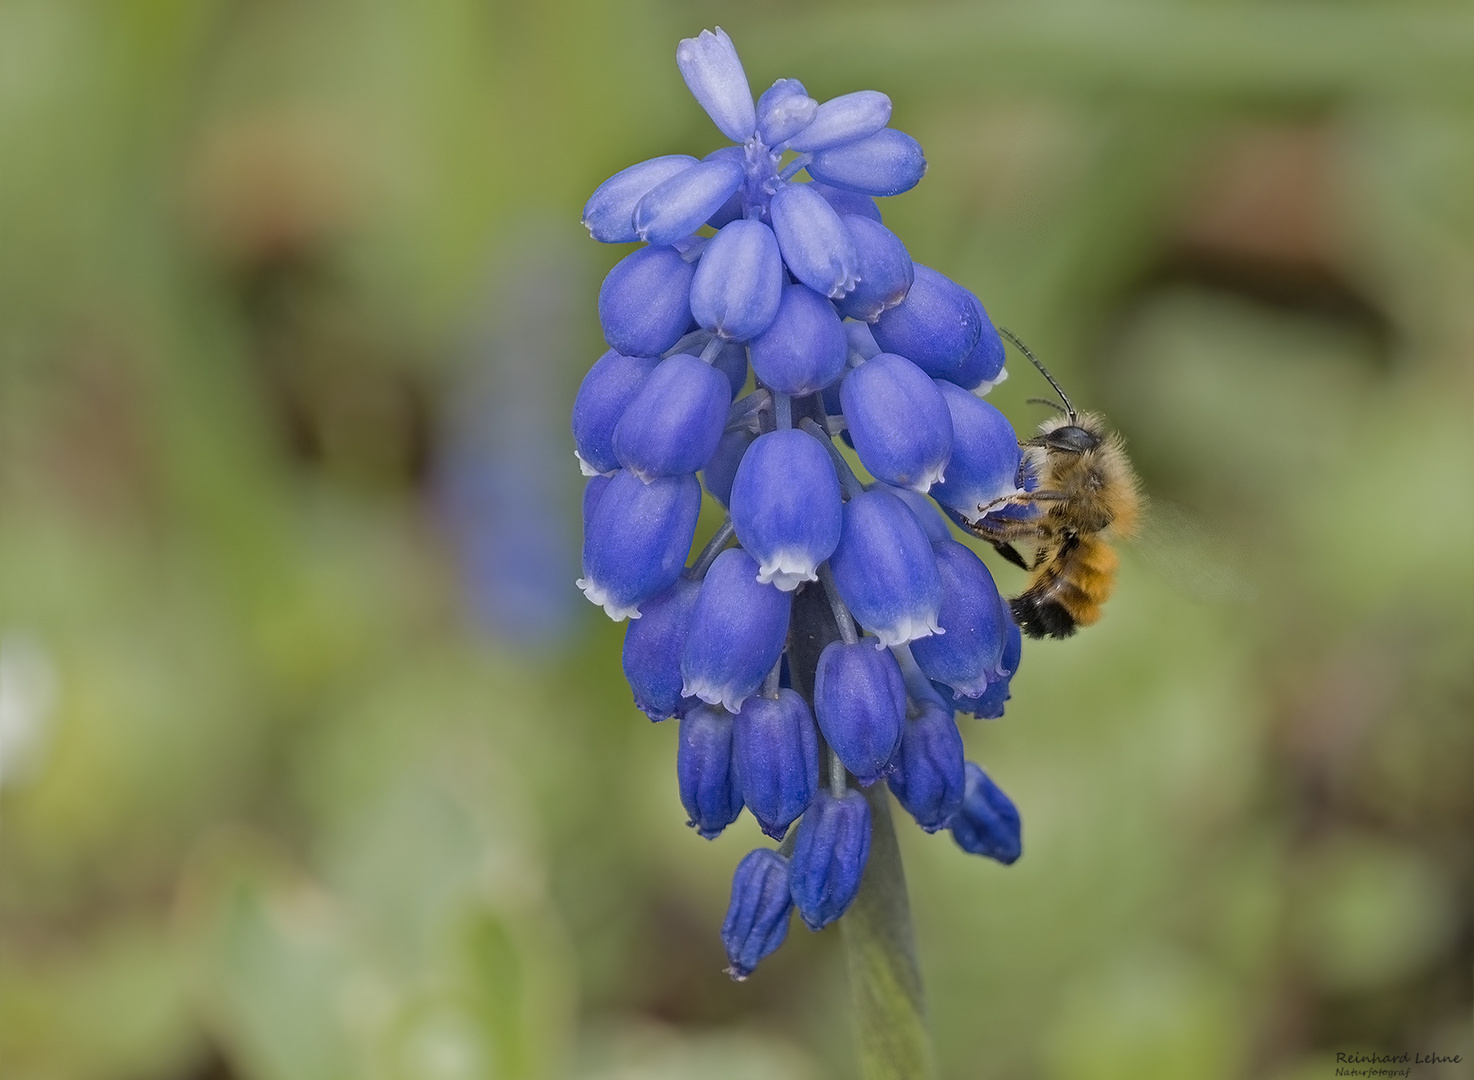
724 695
787 570
600 595
924 482
906 629
981 390
587 469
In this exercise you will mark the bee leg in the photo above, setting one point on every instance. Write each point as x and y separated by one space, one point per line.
1009 552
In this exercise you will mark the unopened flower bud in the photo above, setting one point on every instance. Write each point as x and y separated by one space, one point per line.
783 111
987 823
860 704
610 212
829 857
935 327
775 748
645 301
757 917
928 778
815 245
804 349
844 119
673 425
704 771
714 74
652 649
887 163
738 281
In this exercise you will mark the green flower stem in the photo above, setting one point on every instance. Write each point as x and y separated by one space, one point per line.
885 980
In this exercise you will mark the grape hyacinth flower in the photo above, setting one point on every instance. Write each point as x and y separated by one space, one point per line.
827 635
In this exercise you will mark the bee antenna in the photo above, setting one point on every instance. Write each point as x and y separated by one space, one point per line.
1011 336
1045 402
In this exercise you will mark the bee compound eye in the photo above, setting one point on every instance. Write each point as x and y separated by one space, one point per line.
1072 439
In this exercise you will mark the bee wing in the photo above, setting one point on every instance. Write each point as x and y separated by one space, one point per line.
1194 558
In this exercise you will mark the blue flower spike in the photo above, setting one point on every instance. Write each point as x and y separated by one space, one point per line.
987 823
829 857
767 260
757 917
704 771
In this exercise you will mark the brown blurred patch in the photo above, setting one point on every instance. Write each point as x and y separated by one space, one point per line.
1262 217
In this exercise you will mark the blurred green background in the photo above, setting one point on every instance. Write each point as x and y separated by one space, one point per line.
313 763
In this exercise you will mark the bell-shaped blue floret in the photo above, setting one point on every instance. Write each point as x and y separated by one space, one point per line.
737 632
710 66
847 203
739 281
775 748
721 470
844 119
860 704
674 423
679 206
611 384
969 654
985 455
829 856
786 507
757 917
928 779
731 361
984 365
637 540
645 301
928 516
784 110
609 214
593 491
936 327
704 771
989 704
887 163
652 649
885 569
987 822
816 246
898 420
804 349
884 268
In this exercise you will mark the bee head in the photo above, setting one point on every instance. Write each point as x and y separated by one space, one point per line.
1071 439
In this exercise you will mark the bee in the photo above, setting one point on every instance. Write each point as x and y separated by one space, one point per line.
1086 493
